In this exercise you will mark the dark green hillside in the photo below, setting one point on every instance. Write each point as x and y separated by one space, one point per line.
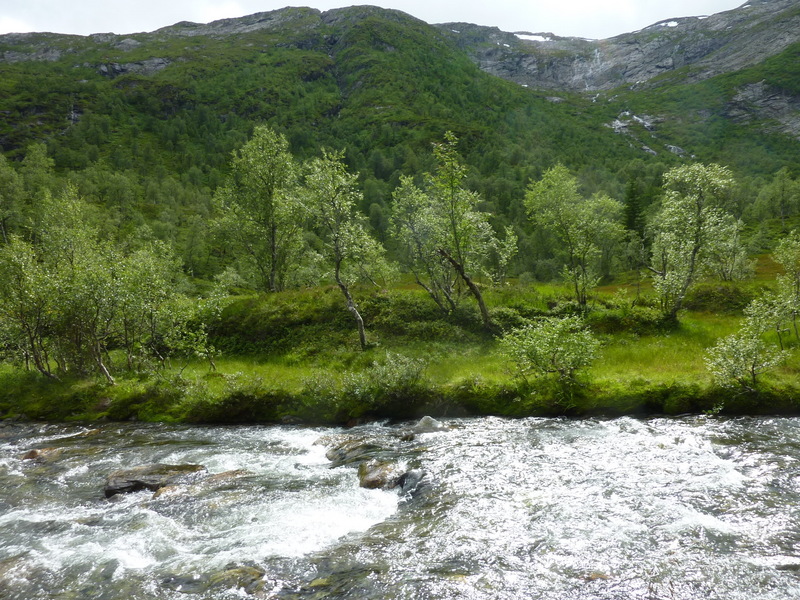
379 83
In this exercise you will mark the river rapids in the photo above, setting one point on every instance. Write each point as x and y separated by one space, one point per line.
552 509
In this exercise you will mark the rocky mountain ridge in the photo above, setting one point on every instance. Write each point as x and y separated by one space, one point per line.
695 47
698 47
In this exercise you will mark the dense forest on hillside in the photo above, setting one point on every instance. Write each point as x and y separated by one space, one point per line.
360 216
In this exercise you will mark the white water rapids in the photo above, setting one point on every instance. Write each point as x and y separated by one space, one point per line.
687 508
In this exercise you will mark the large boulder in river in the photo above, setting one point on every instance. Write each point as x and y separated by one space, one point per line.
151 477
378 475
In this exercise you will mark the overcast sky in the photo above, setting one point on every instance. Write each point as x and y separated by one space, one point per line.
582 18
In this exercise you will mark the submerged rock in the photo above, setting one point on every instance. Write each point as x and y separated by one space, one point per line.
414 482
43 454
351 451
215 482
249 579
150 477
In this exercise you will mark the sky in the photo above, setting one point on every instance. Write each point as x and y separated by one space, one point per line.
596 19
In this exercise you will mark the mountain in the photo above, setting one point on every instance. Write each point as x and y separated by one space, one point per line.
379 83
695 48
172 104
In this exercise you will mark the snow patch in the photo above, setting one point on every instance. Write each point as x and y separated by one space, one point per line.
533 38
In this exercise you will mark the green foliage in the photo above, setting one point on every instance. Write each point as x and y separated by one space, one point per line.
690 221
259 209
330 196
554 345
12 211
721 297
740 358
443 238
585 228
70 298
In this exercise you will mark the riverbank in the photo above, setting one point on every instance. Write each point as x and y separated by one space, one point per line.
294 357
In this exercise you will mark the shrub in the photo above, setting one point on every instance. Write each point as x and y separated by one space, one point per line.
554 345
738 359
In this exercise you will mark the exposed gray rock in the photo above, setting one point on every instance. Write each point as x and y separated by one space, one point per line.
274 20
143 67
127 44
720 43
428 425
40 54
761 101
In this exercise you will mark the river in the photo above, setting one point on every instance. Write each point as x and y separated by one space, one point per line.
556 509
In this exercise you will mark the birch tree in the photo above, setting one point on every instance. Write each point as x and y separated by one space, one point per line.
331 196
259 208
445 240
12 193
583 226
687 225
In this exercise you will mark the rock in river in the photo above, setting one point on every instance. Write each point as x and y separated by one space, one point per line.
150 477
376 474
351 451
428 425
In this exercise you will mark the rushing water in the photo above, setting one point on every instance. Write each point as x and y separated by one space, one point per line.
538 508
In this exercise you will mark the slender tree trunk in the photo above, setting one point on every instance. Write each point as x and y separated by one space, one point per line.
487 320
351 306
273 268
98 352
40 364
431 293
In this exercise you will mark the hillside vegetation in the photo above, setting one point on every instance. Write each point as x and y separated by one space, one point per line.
332 216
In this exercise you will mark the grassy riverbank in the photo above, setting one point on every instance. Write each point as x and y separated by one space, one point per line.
295 356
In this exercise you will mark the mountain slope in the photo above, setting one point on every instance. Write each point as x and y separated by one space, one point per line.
384 85
381 83
700 46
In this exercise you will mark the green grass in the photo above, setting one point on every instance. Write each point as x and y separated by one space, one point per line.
665 358
298 356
